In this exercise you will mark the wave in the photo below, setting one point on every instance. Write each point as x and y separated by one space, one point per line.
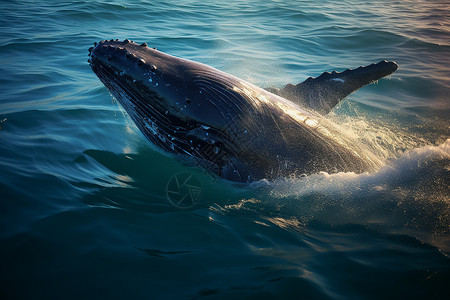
410 195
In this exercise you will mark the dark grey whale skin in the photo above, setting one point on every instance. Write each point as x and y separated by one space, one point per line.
228 126
323 93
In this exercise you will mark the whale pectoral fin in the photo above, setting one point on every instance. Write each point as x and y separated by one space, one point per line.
323 93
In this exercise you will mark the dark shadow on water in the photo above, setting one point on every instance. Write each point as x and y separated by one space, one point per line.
160 253
151 182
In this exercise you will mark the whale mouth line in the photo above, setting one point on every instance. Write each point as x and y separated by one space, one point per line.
119 87
148 106
147 120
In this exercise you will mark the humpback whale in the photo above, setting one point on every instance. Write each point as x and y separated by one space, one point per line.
231 127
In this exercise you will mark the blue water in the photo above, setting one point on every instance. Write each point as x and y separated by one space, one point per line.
84 200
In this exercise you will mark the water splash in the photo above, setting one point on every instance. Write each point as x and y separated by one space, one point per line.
410 195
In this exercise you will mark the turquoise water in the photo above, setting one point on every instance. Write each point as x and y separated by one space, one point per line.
84 198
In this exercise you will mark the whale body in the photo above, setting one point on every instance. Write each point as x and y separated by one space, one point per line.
231 127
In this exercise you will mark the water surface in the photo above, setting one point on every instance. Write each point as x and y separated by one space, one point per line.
84 210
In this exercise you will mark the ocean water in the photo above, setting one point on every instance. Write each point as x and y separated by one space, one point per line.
88 208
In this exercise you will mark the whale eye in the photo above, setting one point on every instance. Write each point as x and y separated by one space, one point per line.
188 100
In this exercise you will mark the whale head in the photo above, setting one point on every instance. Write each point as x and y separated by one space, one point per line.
166 98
